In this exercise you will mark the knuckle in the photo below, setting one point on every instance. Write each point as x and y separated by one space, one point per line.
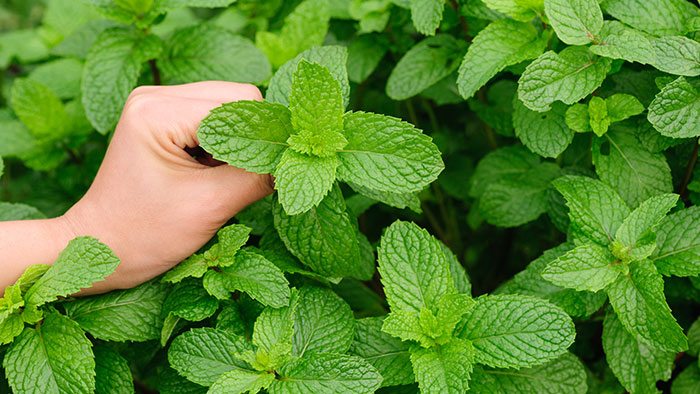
251 92
140 103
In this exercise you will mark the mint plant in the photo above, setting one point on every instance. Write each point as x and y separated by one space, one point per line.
472 196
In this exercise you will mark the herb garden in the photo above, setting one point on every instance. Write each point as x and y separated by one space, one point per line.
482 196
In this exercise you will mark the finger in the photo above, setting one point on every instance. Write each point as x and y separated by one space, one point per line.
222 91
238 187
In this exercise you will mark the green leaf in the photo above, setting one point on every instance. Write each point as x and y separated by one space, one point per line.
514 8
413 268
622 106
387 154
576 22
112 69
687 381
15 139
588 267
422 66
640 303
83 262
364 55
327 373
247 134
598 116
194 266
333 57
510 331
678 245
53 357
396 200
512 201
123 315
323 238
618 41
658 17
11 325
190 301
676 109
303 28
231 240
61 76
677 55
275 326
546 134
595 209
256 276
459 274
694 338
407 326
577 118
79 42
635 173
170 382
39 108
443 368
303 181
636 365
202 355
316 105
209 52
426 15
25 45
323 322
388 355
509 162
645 218
112 373
568 76
238 381
502 43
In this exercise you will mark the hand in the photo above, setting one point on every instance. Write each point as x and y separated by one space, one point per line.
151 202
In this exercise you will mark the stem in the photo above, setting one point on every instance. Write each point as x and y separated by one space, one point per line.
411 112
490 136
431 115
434 222
462 20
155 71
689 171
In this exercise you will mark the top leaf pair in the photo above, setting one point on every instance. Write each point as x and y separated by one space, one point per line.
309 144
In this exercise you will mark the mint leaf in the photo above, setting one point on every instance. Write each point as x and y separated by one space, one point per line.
247 134
323 322
636 174
333 57
364 55
514 8
386 154
202 355
694 338
190 301
388 355
576 22
658 17
687 381
170 382
598 116
676 108
443 368
303 28
303 181
240 381
588 267
459 274
256 276
622 106
194 266
316 105
640 303
112 373
426 15
507 162
567 76
11 325
678 245
595 209
413 268
323 238
396 200
638 366
406 325
618 41
510 331
111 71
512 201
422 66
208 52
564 375
645 218
39 108
327 372
677 55
545 134
83 262
500 44
55 356
123 315
275 326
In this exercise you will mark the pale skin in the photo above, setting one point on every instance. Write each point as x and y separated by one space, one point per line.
151 202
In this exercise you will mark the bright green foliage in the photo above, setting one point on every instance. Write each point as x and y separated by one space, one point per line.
520 10
637 365
112 373
677 55
425 64
502 43
674 111
576 22
678 245
598 116
426 15
658 17
445 368
547 135
39 108
388 354
588 267
567 76
323 323
618 41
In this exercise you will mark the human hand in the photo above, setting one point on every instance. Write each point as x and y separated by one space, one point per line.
151 202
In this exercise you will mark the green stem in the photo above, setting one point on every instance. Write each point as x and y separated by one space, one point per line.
692 162
155 71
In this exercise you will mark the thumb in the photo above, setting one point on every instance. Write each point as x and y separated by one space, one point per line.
238 188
